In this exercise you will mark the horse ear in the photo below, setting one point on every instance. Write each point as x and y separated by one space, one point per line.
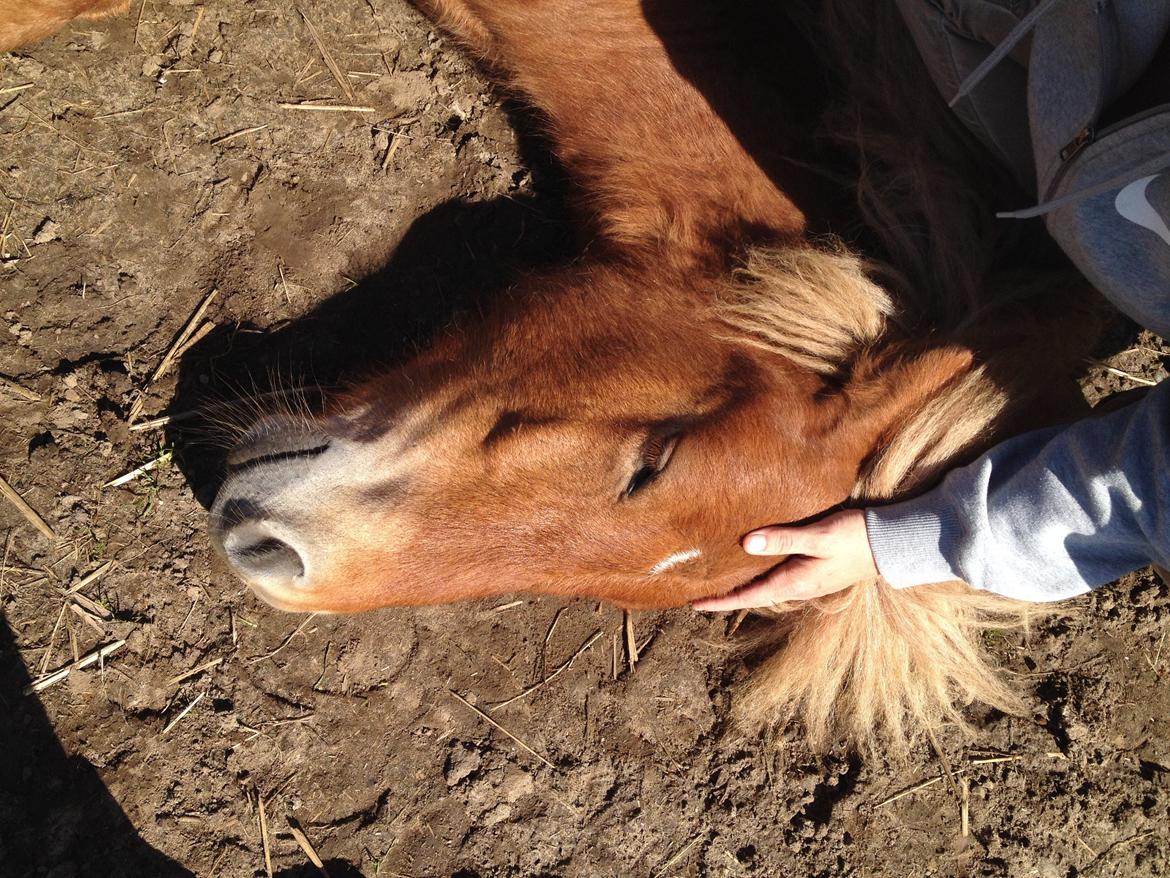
887 387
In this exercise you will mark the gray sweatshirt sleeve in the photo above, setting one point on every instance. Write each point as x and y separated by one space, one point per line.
1042 516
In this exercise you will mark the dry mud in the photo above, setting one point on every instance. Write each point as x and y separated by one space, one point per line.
145 162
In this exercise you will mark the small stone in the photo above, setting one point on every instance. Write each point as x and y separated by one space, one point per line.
46 231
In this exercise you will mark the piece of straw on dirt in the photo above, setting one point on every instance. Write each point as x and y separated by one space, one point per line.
1121 373
631 645
395 141
165 457
48 656
506 606
327 108
678 857
89 578
994 760
909 791
199 335
181 339
182 713
301 839
24 509
15 88
87 660
346 88
195 27
946 763
264 836
19 390
226 138
163 420
965 807
198 669
564 666
496 725
138 23
739 617
91 606
284 643
90 619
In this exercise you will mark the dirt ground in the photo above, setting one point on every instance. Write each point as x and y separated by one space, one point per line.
146 162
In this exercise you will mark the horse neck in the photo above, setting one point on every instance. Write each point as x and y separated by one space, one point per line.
669 165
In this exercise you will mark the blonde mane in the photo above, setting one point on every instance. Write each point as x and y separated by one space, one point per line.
816 307
872 665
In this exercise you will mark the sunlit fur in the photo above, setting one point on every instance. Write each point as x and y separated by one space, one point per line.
23 21
799 376
873 661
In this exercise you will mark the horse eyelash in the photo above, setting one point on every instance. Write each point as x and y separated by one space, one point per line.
652 453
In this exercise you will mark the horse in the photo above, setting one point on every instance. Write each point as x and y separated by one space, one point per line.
25 21
704 366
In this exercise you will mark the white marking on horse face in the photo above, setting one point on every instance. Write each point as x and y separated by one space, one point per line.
673 560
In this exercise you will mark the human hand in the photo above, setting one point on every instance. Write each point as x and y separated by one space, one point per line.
824 557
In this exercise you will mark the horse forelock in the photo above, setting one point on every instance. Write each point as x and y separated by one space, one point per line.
815 306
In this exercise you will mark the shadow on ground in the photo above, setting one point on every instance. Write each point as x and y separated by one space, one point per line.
56 816
455 259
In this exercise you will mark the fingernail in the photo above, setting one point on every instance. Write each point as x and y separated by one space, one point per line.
755 544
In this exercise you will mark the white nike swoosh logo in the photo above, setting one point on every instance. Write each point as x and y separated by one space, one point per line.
1133 205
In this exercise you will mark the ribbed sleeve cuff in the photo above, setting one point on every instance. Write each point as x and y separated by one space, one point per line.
908 544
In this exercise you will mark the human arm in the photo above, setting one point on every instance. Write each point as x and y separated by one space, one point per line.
1043 516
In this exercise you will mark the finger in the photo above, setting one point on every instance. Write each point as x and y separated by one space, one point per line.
788 582
782 541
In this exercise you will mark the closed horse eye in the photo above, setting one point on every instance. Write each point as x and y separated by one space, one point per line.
652 460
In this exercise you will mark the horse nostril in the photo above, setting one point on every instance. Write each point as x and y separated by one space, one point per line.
258 554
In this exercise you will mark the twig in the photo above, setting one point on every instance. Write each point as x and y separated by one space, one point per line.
285 642
89 578
163 420
563 667
328 108
138 24
169 357
965 806
1121 373
24 509
346 88
909 791
121 113
195 26
395 140
199 335
739 617
165 457
631 645
59 675
994 760
19 390
182 713
48 657
946 763
682 852
496 725
198 669
264 835
1115 846
89 618
306 846
243 131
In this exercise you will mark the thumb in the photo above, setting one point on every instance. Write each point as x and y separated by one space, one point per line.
783 541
